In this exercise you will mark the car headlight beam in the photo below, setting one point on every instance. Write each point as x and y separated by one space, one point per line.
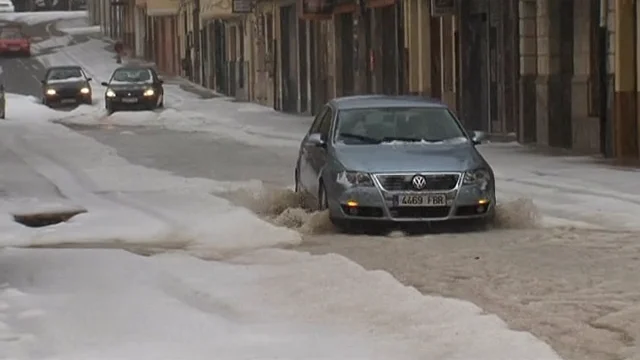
51 91
354 178
149 92
110 93
85 90
480 177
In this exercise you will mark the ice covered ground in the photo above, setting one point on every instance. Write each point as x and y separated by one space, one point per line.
256 304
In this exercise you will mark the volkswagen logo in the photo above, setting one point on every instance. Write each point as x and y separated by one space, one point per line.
128 94
419 182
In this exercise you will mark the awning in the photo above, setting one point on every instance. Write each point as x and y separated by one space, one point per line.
224 9
162 7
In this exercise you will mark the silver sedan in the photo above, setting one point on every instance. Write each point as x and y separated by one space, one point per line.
375 158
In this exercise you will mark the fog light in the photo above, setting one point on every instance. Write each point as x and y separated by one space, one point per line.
480 209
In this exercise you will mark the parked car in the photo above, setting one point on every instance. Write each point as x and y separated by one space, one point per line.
133 88
14 42
6 6
66 85
391 159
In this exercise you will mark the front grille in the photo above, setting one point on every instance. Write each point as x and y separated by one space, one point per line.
419 212
435 182
68 92
125 93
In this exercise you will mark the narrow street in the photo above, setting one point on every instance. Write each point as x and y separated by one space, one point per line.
559 267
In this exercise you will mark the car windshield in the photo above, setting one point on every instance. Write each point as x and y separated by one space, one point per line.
10 35
65 74
131 76
399 124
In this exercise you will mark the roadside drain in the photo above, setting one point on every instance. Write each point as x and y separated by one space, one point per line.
37 220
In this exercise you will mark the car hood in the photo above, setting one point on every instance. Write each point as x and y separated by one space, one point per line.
409 157
132 86
67 85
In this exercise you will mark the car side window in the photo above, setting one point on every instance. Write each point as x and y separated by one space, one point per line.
325 124
315 127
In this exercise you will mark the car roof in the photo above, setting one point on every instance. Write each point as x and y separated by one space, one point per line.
369 101
64 66
134 67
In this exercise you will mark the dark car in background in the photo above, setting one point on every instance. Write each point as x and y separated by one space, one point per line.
66 85
133 88
14 42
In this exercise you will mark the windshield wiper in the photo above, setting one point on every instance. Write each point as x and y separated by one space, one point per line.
362 138
400 138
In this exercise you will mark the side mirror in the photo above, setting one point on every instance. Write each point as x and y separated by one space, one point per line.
160 81
316 140
43 82
104 83
478 137
89 79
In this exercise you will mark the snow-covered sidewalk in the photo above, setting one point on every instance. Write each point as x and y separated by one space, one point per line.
259 303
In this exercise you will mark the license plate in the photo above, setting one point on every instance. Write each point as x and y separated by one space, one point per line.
130 100
68 101
422 200
14 48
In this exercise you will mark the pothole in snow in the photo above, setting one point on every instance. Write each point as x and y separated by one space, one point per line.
37 220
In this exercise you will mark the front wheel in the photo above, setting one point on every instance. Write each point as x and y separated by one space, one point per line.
323 200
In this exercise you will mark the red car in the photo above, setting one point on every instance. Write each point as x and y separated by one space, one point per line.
14 42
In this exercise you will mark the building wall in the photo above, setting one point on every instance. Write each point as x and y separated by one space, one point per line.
555 102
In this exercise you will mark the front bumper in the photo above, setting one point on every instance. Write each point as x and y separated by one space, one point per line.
71 98
15 50
139 102
375 203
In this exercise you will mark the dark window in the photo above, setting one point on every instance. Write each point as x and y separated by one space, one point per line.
325 124
315 127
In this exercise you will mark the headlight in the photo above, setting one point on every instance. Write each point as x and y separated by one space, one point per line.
51 92
480 177
85 90
354 178
149 92
110 93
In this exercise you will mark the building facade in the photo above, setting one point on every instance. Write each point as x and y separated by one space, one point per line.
557 73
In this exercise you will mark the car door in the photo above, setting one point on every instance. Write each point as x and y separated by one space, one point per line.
317 154
305 171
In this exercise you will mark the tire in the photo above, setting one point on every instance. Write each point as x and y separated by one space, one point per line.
323 200
296 181
110 110
88 102
2 114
